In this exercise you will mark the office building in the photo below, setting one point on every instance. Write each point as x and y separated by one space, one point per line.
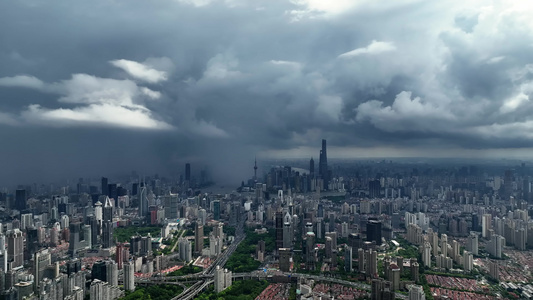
348 262
104 186
199 239
20 199
108 210
41 261
74 241
287 235
216 210
188 172
285 259
107 234
311 168
279 229
143 201
15 248
310 253
373 231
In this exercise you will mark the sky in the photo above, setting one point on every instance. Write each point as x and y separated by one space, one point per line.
95 88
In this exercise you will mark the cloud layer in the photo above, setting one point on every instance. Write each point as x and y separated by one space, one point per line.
215 79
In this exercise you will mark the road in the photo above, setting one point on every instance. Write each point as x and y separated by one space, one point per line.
204 277
176 243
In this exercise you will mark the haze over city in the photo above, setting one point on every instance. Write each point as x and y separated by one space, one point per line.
101 86
259 150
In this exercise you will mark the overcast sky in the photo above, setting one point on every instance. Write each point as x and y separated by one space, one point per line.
100 87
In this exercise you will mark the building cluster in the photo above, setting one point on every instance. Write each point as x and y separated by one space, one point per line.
325 219
51 240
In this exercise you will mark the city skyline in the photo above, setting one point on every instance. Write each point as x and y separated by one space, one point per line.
280 149
201 85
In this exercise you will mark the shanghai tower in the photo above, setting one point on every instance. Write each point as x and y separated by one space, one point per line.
323 164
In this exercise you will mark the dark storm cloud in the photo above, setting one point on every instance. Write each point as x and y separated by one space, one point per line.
94 87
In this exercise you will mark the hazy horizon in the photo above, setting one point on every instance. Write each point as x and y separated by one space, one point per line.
106 87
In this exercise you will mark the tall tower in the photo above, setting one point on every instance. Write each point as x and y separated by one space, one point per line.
143 201
187 172
508 184
255 169
312 168
323 164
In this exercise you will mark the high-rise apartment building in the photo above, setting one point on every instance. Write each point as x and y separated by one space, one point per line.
129 278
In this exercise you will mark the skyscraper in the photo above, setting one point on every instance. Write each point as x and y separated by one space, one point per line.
188 172
486 225
472 243
279 230
41 260
310 252
185 250
312 168
143 202
15 248
112 191
416 292
287 236
222 279
108 210
104 186
129 279
284 259
74 242
373 231
20 199
199 238
508 184
107 234
216 210
323 165
348 259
